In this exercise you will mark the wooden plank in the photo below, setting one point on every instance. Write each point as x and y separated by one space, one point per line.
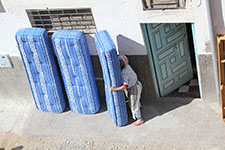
221 48
221 61
223 102
221 37
218 57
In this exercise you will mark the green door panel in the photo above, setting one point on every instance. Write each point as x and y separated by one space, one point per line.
171 56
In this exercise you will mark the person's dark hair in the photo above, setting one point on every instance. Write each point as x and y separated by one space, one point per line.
122 64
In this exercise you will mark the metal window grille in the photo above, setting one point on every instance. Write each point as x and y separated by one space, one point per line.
162 4
55 19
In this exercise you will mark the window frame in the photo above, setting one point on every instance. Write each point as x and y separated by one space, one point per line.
60 18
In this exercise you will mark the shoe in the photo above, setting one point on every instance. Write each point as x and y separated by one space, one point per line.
137 123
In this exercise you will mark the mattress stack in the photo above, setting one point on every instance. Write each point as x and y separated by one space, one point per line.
41 69
112 77
76 68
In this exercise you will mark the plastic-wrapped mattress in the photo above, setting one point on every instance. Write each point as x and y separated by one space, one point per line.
112 76
75 64
41 69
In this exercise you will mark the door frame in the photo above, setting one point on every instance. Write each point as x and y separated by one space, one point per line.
196 58
150 57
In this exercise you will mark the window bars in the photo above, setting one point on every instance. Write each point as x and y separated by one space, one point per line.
55 19
162 4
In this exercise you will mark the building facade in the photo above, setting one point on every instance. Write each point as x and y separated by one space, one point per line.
134 31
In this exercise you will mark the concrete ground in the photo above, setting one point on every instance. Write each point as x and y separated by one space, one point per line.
170 124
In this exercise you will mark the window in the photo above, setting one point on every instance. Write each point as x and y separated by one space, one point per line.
162 4
55 19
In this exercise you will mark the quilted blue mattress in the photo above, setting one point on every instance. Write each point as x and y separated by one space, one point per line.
112 76
40 66
74 59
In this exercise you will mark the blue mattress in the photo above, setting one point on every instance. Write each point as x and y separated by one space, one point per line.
40 66
74 60
112 76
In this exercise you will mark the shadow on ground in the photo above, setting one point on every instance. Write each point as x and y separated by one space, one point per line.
16 148
159 107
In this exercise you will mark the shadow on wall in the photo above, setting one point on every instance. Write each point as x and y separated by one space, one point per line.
97 70
2 9
91 44
218 17
129 46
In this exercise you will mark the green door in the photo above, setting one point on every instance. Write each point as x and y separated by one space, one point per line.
168 45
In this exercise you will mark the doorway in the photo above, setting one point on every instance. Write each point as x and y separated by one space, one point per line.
171 54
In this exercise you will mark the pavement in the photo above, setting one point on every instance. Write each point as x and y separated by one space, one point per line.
170 124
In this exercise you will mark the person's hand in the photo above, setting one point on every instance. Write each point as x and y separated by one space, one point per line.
111 88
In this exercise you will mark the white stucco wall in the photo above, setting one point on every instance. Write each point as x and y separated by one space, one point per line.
121 18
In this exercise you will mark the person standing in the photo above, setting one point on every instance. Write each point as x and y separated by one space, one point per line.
132 88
